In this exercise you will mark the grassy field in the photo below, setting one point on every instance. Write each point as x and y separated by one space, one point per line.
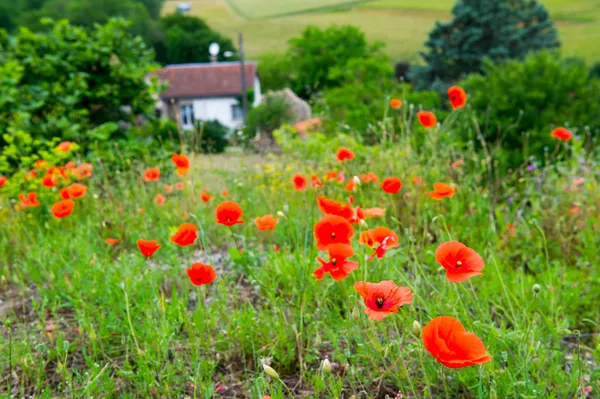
85 318
402 24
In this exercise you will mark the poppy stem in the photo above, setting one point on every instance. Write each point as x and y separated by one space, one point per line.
444 381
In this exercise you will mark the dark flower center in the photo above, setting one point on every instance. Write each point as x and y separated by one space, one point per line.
333 261
458 264
228 219
379 302
332 234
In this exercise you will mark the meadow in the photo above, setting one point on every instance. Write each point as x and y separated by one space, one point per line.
403 25
90 311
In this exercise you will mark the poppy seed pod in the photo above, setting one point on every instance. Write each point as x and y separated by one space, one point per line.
270 371
536 289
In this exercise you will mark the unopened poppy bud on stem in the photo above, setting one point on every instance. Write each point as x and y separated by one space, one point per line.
417 327
356 180
280 214
270 371
326 366
536 289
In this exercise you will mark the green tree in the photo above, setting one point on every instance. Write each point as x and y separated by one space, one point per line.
494 29
317 51
186 39
75 83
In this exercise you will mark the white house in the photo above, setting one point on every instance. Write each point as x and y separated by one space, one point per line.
206 91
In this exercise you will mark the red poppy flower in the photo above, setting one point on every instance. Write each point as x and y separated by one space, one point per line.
395 103
344 154
382 298
83 171
49 181
574 210
168 188
383 236
350 186
63 208
391 185
374 213
182 163
267 222
369 177
457 97
111 241
299 182
330 207
2 180
461 262
441 191
200 274
427 119
225 193
29 200
148 247
180 186
205 197
315 181
417 180
332 229
450 344
152 174
562 134
229 213
185 235
331 175
75 190
65 146
40 164
70 165
160 199
458 163
338 266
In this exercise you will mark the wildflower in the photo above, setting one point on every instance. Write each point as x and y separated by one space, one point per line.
450 344
299 182
270 371
417 180
225 193
111 241
332 229
562 134
74 191
331 175
205 196
83 171
62 208
373 213
267 222
344 154
152 174
338 266
180 186
326 366
168 188
574 210
2 180
417 327
461 262
350 185
185 235
383 236
160 199
458 163
65 146
382 298
395 103
441 191
536 289
49 181
457 97
148 247
29 200
427 119
200 274
530 167
229 213
369 177
315 181
70 165
391 185
182 163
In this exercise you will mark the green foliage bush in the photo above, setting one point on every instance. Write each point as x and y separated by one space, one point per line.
540 93
85 85
494 29
272 113
213 138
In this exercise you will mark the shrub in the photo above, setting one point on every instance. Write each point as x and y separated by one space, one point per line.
275 72
272 113
213 137
401 71
540 93
494 29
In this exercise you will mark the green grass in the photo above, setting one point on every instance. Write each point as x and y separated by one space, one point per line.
84 319
402 24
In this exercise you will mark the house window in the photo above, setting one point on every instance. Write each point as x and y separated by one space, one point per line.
187 115
236 112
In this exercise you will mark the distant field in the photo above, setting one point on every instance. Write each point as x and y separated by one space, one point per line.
402 24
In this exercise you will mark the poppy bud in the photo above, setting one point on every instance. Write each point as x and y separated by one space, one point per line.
326 366
354 314
493 394
417 327
280 214
3 282
536 289
270 371
356 180
577 333
363 223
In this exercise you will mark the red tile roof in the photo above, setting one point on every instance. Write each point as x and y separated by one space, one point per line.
205 80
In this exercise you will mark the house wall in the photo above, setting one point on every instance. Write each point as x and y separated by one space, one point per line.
220 109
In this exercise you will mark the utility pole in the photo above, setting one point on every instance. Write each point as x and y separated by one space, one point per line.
243 76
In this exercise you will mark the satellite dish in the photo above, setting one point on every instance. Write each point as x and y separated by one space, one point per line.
213 49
